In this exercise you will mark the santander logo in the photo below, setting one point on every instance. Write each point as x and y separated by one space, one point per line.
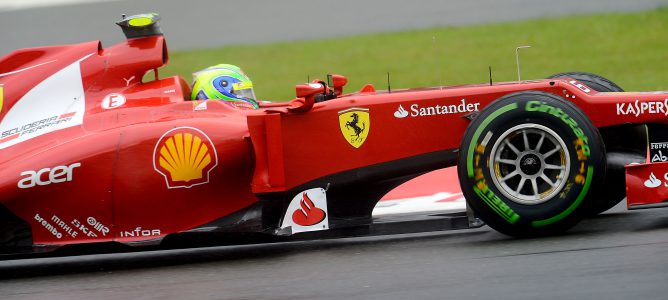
419 110
652 182
401 112
308 214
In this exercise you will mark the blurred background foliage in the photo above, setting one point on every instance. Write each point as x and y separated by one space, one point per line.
629 48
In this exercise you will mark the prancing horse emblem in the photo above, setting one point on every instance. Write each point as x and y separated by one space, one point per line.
355 124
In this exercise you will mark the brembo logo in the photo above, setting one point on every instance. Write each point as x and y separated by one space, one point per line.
47 176
184 156
417 111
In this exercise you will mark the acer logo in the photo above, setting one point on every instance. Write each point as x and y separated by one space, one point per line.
47 176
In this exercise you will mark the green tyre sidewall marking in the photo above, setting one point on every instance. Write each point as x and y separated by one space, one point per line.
555 215
478 131
497 205
570 209
507 214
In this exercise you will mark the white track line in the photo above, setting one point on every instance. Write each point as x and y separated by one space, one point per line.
453 202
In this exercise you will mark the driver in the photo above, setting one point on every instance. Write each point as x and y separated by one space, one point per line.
225 82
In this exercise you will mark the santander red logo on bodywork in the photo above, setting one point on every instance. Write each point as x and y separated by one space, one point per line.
306 212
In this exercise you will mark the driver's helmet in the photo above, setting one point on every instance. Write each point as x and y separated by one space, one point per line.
224 82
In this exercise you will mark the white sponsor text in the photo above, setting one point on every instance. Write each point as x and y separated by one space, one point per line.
417 111
638 108
47 176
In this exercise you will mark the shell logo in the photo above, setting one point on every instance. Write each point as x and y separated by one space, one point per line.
184 156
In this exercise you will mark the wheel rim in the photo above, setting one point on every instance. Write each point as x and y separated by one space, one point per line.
529 164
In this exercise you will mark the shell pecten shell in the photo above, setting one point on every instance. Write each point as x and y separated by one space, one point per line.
184 156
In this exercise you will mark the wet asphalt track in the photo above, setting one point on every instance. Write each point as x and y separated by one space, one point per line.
618 255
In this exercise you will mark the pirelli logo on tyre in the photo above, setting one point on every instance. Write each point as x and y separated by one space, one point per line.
184 156
475 162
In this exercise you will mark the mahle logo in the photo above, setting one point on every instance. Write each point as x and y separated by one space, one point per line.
184 156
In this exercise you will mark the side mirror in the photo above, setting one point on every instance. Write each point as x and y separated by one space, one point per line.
338 82
305 97
309 90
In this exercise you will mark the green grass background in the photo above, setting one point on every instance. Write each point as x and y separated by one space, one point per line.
628 48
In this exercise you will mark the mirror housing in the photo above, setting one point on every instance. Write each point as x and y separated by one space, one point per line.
309 90
338 82
305 97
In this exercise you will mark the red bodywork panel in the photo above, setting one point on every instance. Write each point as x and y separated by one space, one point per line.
283 165
647 185
90 152
96 181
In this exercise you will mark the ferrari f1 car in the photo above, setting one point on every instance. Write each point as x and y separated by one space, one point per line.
93 149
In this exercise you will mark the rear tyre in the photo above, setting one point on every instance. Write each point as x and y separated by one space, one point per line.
624 144
527 163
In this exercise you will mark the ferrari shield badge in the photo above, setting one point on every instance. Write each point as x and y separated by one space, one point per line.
184 156
355 124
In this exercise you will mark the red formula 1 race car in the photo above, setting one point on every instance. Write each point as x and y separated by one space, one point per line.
93 152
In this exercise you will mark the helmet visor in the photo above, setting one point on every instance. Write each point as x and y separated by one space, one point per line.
243 90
